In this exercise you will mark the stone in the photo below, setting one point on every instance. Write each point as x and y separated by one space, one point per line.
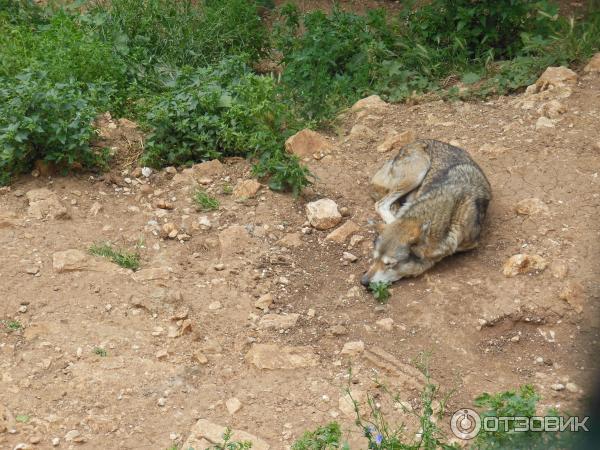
307 143
353 349
161 402
146 172
208 169
593 65
346 402
163 204
544 122
572 387
233 405
522 264
555 77
169 230
362 133
44 203
347 256
397 141
215 305
386 324
342 233
162 354
246 189
152 274
32 270
55 442
552 109
200 358
531 206
291 240
558 387
205 434
371 102
273 357
75 260
264 302
559 269
323 214
278 321
72 435
574 294
95 209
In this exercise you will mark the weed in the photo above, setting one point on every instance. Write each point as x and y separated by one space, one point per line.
22 418
205 202
122 258
14 325
227 189
99 351
228 444
328 437
381 291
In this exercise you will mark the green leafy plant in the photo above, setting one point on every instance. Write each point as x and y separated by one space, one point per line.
22 418
127 260
204 201
328 437
14 325
41 119
228 444
99 351
380 290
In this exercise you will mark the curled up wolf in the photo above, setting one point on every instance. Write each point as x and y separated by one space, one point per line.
433 200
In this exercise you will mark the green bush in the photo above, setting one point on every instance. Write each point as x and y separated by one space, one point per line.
179 33
219 111
64 51
41 119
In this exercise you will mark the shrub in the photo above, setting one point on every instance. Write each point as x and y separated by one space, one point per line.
222 111
41 119
179 33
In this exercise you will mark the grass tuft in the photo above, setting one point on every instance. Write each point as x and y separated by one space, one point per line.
380 291
127 260
204 201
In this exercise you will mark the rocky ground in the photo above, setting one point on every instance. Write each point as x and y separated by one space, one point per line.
250 316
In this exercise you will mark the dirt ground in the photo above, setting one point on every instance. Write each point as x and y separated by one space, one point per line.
182 337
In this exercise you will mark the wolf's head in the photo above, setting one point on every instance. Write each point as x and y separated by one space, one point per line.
393 255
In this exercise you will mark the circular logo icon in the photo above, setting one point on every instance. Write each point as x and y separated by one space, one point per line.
465 423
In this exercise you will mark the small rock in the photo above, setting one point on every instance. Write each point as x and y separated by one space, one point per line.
397 141
342 233
278 321
559 269
162 354
353 349
272 356
264 302
171 170
72 435
161 401
95 209
23 309
593 65
169 230
558 387
32 270
544 122
515 338
208 169
552 109
291 240
386 324
45 203
356 239
572 387
200 358
233 405
219 267
306 143
338 330
573 294
371 102
347 256
555 77
163 204
23 445
246 189
323 214
55 442
523 263
146 172
311 312
531 206
215 305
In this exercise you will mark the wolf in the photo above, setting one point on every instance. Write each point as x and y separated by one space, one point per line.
433 199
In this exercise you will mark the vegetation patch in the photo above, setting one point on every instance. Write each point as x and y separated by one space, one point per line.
127 260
